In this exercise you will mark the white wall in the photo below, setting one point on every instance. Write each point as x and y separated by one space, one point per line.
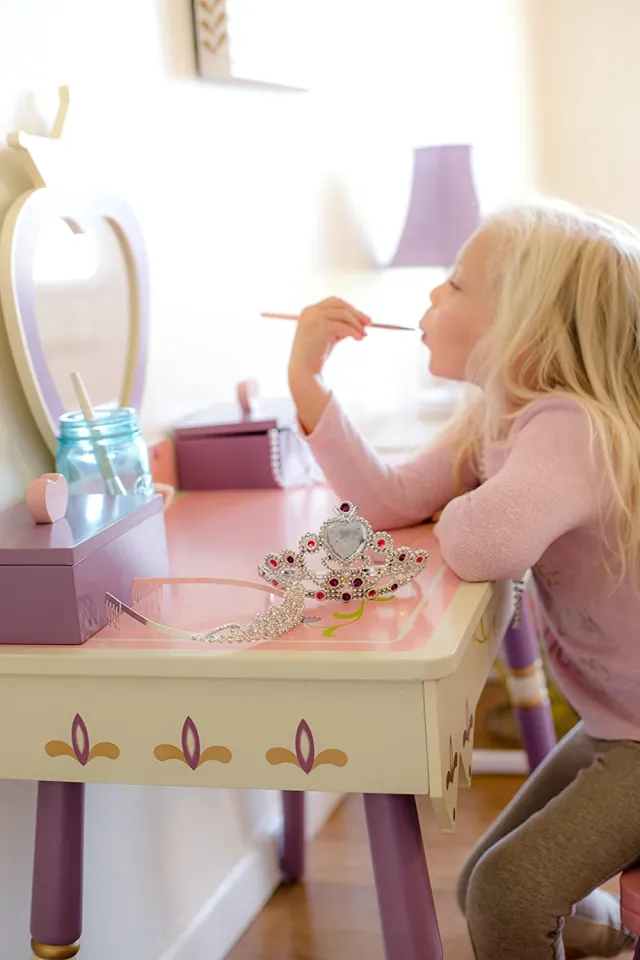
587 81
244 205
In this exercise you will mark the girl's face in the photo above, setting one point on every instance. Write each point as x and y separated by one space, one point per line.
461 311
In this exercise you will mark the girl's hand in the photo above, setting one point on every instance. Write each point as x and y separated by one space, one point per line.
320 328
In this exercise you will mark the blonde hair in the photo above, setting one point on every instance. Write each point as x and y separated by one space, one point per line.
567 323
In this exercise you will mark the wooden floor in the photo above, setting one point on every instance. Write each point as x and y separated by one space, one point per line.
334 915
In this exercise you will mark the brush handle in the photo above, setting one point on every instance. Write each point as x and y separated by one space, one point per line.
112 481
378 326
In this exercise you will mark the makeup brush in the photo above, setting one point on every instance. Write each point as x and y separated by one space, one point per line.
112 481
379 326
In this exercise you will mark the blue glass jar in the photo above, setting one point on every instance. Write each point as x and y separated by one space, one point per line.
105 455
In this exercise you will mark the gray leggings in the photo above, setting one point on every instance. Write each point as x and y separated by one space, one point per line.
529 888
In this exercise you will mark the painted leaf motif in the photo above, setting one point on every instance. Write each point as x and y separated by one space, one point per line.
191 743
305 747
80 739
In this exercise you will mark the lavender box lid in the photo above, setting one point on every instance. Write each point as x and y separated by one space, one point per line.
228 419
91 521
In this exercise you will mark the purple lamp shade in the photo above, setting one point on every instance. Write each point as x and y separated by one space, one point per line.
443 207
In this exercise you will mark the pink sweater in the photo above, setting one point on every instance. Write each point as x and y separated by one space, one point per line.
535 504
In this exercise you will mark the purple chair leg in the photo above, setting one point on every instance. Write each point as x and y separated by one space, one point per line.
528 690
56 903
407 911
293 843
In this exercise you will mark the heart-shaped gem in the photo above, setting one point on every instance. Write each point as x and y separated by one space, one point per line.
346 538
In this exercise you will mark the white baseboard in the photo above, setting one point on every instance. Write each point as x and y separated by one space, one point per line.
232 907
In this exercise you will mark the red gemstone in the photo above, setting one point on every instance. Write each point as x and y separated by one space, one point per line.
346 597
320 595
274 583
289 559
394 586
371 594
357 582
402 556
381 543
345 507
274 563
333 582
419 559
311 543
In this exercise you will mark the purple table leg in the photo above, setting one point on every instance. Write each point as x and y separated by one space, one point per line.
528 689
56 904
407 911
293 842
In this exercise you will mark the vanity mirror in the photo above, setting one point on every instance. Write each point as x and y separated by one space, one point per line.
73 287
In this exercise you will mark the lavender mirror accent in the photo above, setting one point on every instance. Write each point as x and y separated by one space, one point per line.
26 222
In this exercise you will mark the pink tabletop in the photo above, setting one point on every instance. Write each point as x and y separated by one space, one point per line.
227 533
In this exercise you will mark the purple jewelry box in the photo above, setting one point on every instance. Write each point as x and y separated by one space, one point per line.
224 448
53 577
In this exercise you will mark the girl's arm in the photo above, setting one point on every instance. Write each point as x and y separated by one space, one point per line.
389 497
550 484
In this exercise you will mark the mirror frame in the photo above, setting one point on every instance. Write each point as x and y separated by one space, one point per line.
19 235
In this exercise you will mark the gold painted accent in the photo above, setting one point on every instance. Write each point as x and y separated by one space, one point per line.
530 704
107 750
484 636
278 755
529 671
218 754
44 952
334 758
167 751
58 748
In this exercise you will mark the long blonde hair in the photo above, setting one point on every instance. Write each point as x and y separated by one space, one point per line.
567 323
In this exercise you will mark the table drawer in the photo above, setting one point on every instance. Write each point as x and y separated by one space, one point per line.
333 736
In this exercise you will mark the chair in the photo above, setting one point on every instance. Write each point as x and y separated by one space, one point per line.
630 902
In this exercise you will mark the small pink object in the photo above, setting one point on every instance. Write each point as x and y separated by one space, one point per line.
47 498
248 392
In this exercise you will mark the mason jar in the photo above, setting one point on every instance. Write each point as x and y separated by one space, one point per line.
104 455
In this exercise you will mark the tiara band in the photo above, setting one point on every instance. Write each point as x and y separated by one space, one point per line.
278 619
357 562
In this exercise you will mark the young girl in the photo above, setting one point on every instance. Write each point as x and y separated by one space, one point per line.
541 473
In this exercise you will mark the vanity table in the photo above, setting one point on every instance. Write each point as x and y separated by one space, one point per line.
370 698
376 698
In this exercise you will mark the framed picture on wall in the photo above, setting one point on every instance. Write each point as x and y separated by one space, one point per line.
253 41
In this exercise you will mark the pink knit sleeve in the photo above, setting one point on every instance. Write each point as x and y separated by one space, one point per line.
388 496
550 484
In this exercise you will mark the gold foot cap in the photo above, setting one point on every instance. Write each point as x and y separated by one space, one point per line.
44 952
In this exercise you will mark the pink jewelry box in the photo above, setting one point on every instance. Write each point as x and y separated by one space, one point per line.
224 448
53 577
